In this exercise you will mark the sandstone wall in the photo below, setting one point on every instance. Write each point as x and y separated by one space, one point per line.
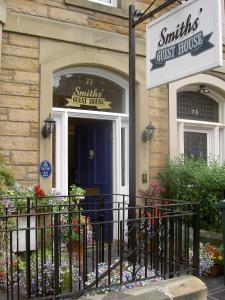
158 115
74 12
19 105
20 77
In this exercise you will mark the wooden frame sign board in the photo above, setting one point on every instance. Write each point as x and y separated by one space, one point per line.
184 42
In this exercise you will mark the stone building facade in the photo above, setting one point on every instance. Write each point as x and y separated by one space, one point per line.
44 41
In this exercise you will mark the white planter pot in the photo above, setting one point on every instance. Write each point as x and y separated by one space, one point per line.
19 236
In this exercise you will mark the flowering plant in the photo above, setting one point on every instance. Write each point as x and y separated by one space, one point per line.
154 190
211 259
75 227
216 257
38 191
74 222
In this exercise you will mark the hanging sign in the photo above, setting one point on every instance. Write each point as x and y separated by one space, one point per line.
91 97
45 168
184 42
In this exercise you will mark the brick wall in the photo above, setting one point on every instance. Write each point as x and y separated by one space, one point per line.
19 105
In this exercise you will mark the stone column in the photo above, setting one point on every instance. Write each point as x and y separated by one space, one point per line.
2 22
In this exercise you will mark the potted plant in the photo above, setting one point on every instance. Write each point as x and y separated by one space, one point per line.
17 198
75 224
217 260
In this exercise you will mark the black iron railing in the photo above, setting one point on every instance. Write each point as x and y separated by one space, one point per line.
210 217
56 246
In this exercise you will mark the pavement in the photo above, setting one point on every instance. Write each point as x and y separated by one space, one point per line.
216 287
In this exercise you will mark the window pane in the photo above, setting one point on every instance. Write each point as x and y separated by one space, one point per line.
89 92
196 106
195 144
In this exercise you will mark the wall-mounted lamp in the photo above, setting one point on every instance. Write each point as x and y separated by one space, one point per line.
203 89
148 133
48 127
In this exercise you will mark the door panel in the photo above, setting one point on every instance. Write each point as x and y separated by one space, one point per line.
94 172
94 156
83 175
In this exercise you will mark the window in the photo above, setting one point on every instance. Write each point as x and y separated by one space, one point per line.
195 144
196 106
200 124
106 2
88 92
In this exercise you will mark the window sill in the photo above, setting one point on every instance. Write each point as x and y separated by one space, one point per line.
120 12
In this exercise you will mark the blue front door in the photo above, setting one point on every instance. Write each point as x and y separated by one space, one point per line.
93 172
93 163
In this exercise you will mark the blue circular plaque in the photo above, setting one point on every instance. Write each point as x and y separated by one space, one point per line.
45 168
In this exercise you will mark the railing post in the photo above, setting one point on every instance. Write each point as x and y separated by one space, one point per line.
221 207
28 273
56 252
196 238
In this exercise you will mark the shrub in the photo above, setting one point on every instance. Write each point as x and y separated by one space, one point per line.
191 179
6 178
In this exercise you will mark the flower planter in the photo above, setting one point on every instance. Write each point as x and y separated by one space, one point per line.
19 236
215 270
77 250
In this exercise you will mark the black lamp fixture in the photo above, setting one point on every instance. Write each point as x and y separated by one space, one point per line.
203 89
48 127
148 133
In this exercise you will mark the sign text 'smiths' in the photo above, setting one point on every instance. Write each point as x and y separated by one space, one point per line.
91 97
184 42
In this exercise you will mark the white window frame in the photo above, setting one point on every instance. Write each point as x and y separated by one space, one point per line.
112 2
215 131
196 130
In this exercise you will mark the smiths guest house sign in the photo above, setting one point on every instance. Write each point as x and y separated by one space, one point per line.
184 42
90 97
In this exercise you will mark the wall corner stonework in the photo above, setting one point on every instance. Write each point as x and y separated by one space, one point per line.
2 22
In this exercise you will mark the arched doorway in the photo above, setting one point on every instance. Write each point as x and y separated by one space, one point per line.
90 147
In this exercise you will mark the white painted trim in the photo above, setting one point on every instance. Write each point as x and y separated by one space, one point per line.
61 149
89 114
116 155
61 116
216 87
112 2
199 123
124 189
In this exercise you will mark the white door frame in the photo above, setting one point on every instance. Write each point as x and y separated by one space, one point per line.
61 116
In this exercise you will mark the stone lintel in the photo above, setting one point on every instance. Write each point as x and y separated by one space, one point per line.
61 31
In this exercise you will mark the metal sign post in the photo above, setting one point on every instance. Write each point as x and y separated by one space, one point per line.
135 18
